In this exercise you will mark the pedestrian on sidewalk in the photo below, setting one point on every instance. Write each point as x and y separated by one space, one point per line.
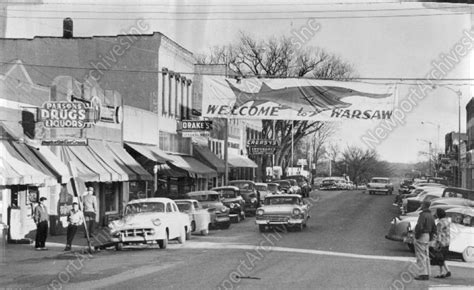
90 209
442 243
425 231
41 218
75 219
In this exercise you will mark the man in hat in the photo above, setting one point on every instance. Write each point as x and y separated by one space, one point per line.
425 231
75 219
90 209
41 218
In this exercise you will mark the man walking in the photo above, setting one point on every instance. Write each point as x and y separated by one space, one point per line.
90 209
41 218
75 219
425 231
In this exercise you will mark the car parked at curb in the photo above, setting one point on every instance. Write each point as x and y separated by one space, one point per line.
212 201
249 194
232 198
199 217
289 210
303 183
150 220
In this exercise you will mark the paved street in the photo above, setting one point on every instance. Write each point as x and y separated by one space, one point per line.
342 247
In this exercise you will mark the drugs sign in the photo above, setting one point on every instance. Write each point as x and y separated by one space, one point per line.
66 115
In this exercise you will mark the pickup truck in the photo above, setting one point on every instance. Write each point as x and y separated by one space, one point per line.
380 184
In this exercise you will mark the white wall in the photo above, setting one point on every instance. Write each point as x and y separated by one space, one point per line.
140 126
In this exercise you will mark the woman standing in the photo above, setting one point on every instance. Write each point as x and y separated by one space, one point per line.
442 240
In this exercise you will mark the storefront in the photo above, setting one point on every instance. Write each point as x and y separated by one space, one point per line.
242 167
205 155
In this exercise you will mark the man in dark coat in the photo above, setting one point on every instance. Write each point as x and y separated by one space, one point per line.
425 231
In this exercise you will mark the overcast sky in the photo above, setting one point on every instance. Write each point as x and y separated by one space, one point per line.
376 44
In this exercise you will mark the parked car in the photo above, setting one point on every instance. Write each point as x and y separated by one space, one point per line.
262 188
285 186
329 183
274 188
294 186
212 201
148 220
199 217
428 194
317 181
249 194
232 198
303 183
283 210
380 184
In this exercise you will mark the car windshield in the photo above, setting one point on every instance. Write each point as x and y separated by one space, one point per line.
272 187
184 206
281 200
228 193
261 187
206 197
459 218
379 180
144 207
242 185
284 183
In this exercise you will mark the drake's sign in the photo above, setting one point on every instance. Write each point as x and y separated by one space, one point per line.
75 115
194 128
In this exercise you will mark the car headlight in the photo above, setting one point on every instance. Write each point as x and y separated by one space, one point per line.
232 205
296 211
259 211
224 209
156 222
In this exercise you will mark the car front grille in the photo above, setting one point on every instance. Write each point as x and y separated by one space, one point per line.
136 232
274 218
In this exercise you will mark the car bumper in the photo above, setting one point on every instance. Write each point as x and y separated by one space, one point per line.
137 239
222 220
289 222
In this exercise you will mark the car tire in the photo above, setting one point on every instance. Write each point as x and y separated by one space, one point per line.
243 216
299 227
205 232
163 243
182 236
119 246
262 228
226 226
411 247
193 226
188 235
468 255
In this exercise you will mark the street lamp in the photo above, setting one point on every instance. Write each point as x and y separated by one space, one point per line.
429 153
459 94
438 126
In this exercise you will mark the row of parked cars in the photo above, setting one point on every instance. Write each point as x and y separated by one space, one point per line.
334 183
458 204
166 218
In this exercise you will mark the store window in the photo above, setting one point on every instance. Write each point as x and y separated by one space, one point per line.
110 198
137 190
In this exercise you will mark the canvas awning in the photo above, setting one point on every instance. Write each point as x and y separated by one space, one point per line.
195 168
134 169
236 160
20 167
86 165
206 156
151 152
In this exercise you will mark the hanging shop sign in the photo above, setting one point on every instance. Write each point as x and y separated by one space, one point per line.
261 146
74 115
296 99
194 128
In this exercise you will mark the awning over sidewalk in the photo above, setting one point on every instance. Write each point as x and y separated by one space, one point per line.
134 169
236 160
19 166
195 168
86 165
206 156
152 153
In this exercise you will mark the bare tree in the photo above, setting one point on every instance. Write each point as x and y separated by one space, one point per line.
278 57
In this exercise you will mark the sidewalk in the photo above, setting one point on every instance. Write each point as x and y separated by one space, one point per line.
13 253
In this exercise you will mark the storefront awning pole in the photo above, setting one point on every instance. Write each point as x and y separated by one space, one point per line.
75 187
226 150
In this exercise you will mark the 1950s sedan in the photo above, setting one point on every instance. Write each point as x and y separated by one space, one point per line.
149 220
232 199
283 210
200 218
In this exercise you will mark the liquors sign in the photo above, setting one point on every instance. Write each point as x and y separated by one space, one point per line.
75 115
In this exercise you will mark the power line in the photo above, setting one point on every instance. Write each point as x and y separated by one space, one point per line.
237 12
213 5
249 18
392 80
